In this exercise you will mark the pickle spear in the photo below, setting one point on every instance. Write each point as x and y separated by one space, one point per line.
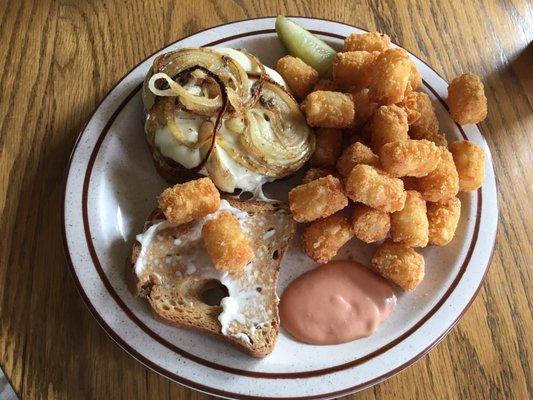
303 44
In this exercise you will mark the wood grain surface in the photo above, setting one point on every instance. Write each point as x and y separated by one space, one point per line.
58 59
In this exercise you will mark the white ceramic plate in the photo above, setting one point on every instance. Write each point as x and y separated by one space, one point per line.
111 187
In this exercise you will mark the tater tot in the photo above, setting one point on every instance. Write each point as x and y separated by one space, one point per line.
354 68
400 264
466 99
327 85
328 109
355 154
370 225
415 80
189 201
372 187
370 41
469 160
427 122
364 108
300 77
328 147
390 77
388 124
443 218
409 104
315 173
322 239
226 243
410 225
317 199
441 183
439 138
409 157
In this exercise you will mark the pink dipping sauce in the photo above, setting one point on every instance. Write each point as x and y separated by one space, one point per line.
336 303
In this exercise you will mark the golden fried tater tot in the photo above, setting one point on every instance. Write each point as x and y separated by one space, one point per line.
439 138
328 147
400 264
354 68
322 239
327 85
390 77
317 199
409 104
355 154
410 225
300 77
372 187
189 201
466 99
409 157
443 182
226 243
469 160
370 41
370 225
315 173
415 80
364 108
329 109
389 124
427 122
443 218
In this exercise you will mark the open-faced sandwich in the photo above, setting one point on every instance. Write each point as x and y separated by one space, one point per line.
212 265
220 112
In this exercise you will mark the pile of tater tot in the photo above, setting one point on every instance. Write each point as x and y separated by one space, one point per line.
381 157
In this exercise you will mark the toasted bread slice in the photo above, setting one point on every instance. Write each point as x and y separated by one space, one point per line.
184 289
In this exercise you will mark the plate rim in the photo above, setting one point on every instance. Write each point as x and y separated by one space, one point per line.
150 364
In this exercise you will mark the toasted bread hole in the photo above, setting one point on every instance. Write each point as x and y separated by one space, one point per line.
245 196
212 292
275 255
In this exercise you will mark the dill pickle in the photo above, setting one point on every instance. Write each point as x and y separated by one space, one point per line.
303 44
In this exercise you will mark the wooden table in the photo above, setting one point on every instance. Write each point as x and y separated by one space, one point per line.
59 58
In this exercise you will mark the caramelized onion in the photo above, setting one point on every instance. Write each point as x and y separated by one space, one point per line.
172 65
